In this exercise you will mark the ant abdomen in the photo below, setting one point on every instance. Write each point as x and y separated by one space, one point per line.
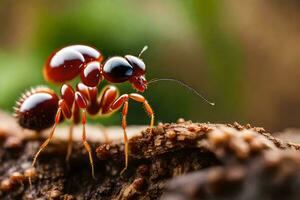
36 109
67 63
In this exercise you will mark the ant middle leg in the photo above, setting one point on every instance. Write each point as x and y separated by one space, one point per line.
82 104
75 121
70 143
95 102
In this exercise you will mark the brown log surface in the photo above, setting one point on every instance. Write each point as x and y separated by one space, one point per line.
182 160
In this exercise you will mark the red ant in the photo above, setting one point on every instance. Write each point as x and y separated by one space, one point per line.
41 108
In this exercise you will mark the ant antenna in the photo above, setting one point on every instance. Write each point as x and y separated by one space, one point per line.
183 84
143 50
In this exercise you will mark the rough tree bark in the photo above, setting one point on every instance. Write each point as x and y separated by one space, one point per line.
182 160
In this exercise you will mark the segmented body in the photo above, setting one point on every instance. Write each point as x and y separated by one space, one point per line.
41 108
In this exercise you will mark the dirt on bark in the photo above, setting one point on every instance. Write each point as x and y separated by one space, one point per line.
182 160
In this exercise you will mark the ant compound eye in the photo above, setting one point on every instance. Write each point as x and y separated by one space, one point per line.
37 108
138 65
117 70
91 75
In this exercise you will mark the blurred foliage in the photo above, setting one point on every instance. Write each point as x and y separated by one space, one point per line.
222 53
124 27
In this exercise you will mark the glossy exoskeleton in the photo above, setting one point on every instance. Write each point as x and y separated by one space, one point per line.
41 108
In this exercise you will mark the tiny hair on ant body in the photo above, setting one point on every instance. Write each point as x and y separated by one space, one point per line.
41 108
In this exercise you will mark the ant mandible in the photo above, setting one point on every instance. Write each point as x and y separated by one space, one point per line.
40 108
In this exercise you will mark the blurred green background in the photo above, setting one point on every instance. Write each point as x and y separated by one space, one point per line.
243 55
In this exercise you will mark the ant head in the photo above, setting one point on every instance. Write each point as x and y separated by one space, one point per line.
130 68
138 79
36 109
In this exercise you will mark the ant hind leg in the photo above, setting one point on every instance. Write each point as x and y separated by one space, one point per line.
42 147
82 104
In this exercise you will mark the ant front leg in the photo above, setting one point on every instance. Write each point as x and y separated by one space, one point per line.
81 102
63 108
123 101
57 119
149 110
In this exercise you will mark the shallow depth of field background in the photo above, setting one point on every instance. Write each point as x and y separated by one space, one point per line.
243 55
